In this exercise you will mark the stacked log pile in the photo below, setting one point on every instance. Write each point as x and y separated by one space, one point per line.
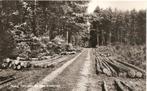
49 63
119 85
15 64
114 67
40 62
19 65
123 86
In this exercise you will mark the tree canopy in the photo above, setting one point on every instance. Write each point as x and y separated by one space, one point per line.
23 20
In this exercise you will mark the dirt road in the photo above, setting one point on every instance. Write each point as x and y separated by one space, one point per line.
72 76
77 73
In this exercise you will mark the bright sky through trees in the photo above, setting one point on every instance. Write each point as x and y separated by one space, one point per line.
119 4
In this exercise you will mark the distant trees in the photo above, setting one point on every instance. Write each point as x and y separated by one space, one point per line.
116 26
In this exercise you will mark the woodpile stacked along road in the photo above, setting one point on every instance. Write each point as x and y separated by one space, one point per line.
91 70
117 68
20 80
125 76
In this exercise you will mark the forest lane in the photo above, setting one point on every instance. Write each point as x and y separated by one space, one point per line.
73 78
77 73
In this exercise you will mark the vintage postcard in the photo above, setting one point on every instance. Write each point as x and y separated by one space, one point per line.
73 45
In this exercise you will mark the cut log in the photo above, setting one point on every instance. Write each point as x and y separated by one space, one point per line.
14 66
99 65
25 65
10 65
4 65
104 86
114 66
18 67
29 64
51 65
122 74
132 66
7 60
114 73
131 73
7 80
98 70
130 87
106 69
122 67
17 62
138 74
119 86
110 60
107 72
22 64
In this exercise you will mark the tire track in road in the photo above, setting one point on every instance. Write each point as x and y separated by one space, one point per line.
38 86
83 82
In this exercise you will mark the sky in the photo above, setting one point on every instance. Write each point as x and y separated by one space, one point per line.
119 4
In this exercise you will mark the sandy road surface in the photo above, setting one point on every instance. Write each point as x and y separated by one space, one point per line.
76 77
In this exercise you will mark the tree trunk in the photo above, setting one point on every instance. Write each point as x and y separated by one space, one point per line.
34 19
67 33
110 34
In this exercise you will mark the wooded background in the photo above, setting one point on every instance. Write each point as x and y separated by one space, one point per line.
22 21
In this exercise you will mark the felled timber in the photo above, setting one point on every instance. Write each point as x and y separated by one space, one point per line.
103 68
7 79
107 69
114 73
97 65
104 86
132 66
119 86
130 87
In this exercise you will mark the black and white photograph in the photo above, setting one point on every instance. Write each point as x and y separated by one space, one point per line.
73 45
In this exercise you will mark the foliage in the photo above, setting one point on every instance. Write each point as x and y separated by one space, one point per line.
133 54
24 24
115 26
